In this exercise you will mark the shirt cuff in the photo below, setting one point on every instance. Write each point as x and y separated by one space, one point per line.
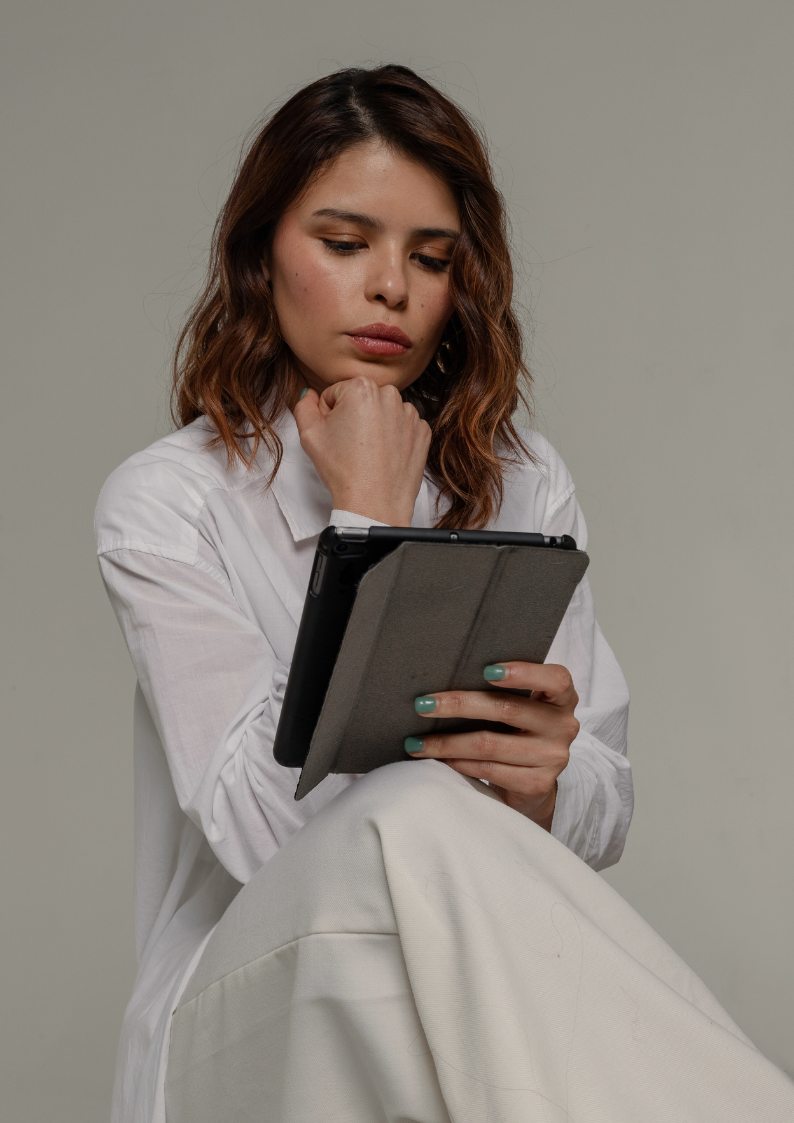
348 518
594 803
575 790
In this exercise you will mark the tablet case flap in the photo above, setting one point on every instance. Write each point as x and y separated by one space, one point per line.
429 617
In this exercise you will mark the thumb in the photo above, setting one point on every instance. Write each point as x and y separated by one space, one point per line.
307 411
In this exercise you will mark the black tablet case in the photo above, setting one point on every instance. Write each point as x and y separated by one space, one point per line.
429 617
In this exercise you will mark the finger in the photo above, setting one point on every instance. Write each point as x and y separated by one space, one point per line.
359 392
549 679
421 427
530 714
325 408
486 744
330 396
347 391
306 411
526 783
391 396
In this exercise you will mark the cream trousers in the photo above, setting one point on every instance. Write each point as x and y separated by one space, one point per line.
419 953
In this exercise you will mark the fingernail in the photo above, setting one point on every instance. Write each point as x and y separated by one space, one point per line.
414 744
494 672
305 390
425 705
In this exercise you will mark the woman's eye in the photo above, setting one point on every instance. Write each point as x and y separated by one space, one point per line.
426 260
342 247
436 264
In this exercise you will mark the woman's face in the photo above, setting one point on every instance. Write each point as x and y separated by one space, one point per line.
359 269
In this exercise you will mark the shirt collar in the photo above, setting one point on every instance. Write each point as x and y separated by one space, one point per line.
304 500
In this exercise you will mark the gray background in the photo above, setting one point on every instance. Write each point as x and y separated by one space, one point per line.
645 149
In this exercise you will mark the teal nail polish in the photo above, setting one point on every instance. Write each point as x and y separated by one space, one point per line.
425 705
495 672
414 744
305 390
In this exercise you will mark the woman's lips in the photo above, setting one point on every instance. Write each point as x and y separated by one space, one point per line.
374 345
380 339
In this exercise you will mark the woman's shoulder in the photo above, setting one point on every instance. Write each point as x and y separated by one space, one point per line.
153 500
539 481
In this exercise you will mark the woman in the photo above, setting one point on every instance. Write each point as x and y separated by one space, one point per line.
414 944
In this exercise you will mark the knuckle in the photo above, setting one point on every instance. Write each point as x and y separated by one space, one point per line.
557 755
307 440
562 680
571 728
508 709
411 418
455 701
487 744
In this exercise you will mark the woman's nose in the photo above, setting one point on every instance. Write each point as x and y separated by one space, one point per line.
387 281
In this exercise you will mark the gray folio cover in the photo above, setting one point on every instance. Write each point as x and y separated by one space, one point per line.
429 617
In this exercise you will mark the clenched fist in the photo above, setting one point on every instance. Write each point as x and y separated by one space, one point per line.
368 446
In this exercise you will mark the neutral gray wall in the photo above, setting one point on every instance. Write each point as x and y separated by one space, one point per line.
646 152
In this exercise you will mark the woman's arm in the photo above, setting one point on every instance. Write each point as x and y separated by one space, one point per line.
213 685
595 797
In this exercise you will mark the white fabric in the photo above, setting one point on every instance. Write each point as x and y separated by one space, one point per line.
207 569
447 961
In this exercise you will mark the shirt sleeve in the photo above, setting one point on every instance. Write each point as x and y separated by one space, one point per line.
214 688
595 796
349 518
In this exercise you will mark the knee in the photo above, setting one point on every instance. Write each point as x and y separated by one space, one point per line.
422 791
402 780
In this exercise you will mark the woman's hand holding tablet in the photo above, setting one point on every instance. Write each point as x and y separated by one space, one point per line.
393 613
522 767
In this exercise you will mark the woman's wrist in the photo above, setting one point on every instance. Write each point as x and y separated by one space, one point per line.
542 814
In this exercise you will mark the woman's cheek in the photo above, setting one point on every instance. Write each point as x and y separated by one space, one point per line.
302 304
322 291
437 309
436 303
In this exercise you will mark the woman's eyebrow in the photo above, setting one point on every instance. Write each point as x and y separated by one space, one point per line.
349 216
376 224
435 232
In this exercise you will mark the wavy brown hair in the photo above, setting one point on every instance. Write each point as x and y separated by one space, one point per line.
232 364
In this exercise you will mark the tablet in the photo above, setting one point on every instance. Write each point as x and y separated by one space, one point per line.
343 556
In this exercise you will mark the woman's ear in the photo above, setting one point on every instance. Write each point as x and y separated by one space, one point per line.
266 266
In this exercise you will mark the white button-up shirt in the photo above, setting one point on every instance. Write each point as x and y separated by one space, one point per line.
207 570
